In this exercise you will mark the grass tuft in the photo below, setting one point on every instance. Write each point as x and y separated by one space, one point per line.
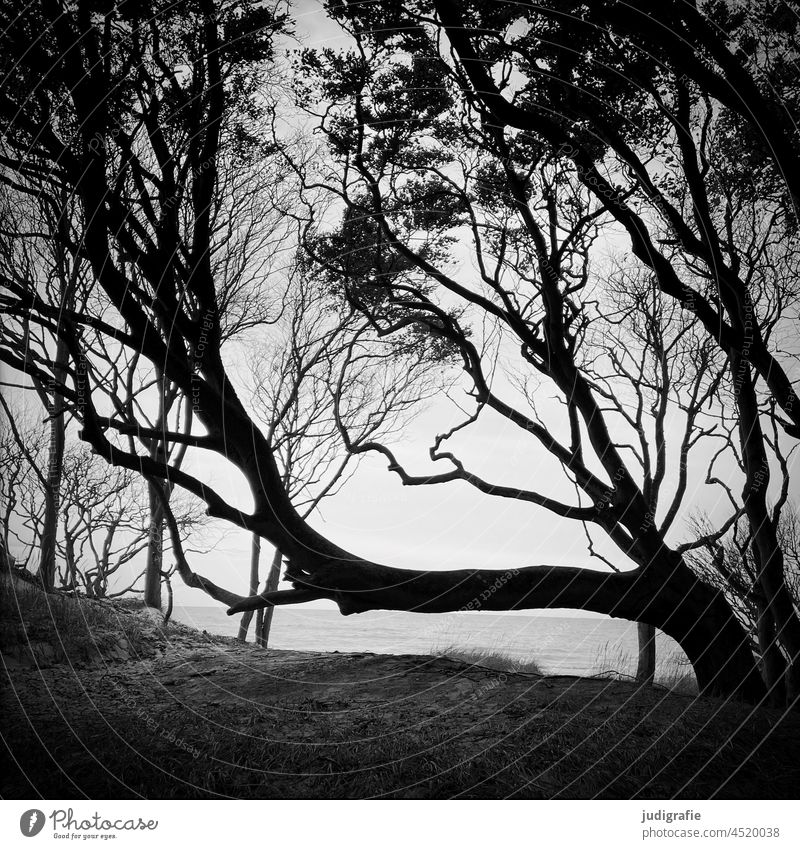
673 673
494 659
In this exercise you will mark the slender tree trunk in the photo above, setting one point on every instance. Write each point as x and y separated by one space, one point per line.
155 550
646 666
773 663
5 558
264 627
53 474
259 623
155 544
168 611
255 556
69 556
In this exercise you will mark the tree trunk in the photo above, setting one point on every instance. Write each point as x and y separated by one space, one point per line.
255 556
6 562
155 543
155 550
53 473
670 597
780 607
773 663
264 623
646 666
168 611
763 525
69 556
695 615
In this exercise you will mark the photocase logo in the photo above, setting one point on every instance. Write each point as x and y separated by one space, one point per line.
31 822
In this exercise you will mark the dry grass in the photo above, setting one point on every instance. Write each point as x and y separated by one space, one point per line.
674 674
50 628
495 659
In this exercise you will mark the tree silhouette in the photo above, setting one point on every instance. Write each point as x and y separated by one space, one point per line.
428 155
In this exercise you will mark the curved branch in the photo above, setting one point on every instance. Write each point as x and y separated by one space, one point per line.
188 576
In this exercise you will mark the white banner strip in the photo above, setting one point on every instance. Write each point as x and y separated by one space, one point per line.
401 824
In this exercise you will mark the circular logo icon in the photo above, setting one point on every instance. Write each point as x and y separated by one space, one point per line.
31 822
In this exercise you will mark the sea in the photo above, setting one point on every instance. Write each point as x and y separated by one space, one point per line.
557 645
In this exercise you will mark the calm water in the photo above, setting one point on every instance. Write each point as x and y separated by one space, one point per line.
559 645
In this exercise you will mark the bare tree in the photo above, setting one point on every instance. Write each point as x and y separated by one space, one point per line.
410 188
731 563
315 359
727 557
245 239
711 143
658 377
35 234
654 131
21 487
103 516
531 251
106 523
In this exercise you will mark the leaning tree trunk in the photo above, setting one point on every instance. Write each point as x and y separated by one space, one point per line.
646 666
255 556
672 599
666 594
53 474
